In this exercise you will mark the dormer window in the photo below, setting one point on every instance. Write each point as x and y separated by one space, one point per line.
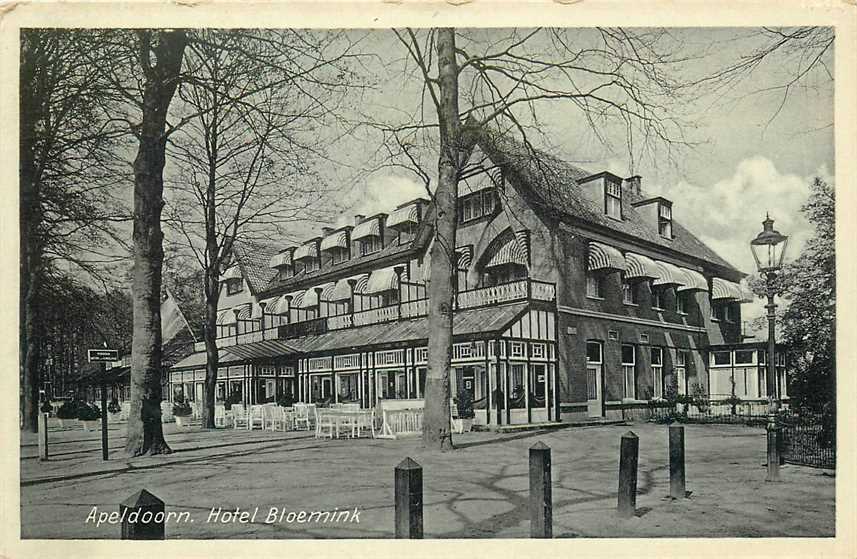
613 199
308 256
665 220
370 245
336 244
369 234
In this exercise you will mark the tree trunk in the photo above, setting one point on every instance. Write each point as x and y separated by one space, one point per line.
436 424
33 100
144 431
211 351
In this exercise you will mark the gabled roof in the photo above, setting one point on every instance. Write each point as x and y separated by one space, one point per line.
551 187
253 259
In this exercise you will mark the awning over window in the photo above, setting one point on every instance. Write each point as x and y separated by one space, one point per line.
695 281
280 259
338 239
306 251
669 274
342 290
281 306
369 228
605 257
382 280
508 253
244 310
464 257
312 297
640 267
225 317
232 273
403 217
724 290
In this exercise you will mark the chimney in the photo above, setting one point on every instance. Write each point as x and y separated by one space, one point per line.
635 183
359 218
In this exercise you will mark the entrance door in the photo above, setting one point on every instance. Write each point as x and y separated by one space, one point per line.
468 381
538 380
326 388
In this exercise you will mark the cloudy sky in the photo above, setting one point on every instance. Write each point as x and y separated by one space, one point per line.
754 151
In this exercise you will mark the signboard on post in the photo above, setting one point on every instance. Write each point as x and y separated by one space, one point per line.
103 355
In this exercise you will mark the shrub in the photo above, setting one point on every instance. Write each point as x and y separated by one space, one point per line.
88 412
700 398
113 406
68 410
464 403
182 409
286 400
46 407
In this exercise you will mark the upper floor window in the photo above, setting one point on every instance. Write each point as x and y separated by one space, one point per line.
476 205
681 302
311 264
657 298
285 272
721 358
234 286
743 357
718 311
593 352
629 293
368 245
665 220
407 232
594 286
338 255
729 312
613 200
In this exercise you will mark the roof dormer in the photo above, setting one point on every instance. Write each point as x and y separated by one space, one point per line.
658 213
337 243
369 234
604 190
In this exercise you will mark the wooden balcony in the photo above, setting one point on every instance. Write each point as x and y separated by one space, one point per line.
516 291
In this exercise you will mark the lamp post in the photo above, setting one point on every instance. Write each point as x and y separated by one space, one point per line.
769 248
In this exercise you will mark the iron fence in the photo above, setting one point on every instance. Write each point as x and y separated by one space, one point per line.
807 441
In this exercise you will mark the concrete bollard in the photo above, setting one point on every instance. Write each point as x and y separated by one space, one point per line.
773 453
541 499
628 453
677 479
43 437
409 500
142 517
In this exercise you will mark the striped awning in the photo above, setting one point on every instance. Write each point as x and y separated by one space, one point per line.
695 281
669 274
508 253
369 228
232 273
382 280
605 257
282 306
464 257
225 317
244 311
342 290
403 216
282 258
306 251
338 239
725 290
312 297
640 267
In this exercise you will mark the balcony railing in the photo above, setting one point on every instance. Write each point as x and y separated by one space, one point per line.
519 290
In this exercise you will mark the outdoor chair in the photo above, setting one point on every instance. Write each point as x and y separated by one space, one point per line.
220 416
301 416
269 412
279 418
323 420
255 416
240 417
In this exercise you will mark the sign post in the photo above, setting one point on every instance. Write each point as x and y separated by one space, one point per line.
103 356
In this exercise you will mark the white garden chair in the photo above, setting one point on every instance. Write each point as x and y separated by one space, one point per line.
256 416
323 420
269 411
301 416
220 416
240 417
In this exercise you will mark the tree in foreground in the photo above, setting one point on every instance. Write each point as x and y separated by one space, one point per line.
160 55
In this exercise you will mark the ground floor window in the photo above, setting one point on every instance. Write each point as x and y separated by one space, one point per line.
348 387
629 373
658 371
681 372
518 398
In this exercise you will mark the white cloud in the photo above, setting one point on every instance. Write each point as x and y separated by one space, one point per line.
729 213
380 194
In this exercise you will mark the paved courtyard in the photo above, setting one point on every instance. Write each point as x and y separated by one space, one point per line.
478 491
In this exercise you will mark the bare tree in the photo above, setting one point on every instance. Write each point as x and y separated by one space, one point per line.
245 153
478 80
68 174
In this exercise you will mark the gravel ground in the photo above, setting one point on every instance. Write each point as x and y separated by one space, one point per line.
479 490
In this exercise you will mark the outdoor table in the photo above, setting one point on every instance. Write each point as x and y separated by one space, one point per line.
354 415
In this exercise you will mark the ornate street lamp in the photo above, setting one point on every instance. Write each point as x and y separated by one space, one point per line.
769 249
